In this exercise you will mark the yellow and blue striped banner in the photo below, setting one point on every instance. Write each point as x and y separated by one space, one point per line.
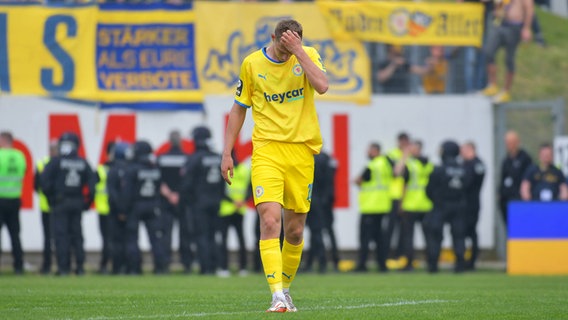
537 238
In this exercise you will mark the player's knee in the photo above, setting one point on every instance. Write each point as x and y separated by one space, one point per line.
295 233
270 226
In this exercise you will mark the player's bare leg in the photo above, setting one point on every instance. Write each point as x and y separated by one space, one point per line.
270 214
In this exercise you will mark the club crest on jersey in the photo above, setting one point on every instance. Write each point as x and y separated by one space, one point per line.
297 70
259 191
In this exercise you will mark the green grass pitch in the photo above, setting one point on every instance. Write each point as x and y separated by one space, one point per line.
482 295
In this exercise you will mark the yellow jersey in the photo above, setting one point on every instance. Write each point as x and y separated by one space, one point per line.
281 98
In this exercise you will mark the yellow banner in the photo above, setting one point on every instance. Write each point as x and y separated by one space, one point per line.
405 23
228 32
48 50
122 55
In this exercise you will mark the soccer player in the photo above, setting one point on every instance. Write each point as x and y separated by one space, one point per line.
278 84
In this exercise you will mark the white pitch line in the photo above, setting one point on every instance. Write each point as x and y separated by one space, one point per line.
210 314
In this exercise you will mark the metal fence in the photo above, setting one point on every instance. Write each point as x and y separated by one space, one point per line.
536 122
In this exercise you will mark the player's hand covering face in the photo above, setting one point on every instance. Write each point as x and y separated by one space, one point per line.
288 44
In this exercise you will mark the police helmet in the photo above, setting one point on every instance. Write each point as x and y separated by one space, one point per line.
201 136
450 149
201 133
68 143
141 150
120 150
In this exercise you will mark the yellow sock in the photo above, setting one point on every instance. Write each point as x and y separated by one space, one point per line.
272 262
291 256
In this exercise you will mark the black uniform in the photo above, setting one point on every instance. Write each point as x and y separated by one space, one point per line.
46 227
117 216
142 204
447 190
328 217
476 170
322 193
171 164
545 183
64 181
202 191
512 172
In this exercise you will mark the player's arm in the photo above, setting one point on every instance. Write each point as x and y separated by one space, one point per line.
315 75
236 119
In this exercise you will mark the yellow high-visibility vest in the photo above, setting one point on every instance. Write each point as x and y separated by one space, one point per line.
397 184
237 191
12 172
101 195
43 203
415 198
374 196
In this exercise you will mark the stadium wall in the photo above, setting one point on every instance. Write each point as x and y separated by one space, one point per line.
347 130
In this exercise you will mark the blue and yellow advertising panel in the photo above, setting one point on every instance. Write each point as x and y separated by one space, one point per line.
147 53
537 238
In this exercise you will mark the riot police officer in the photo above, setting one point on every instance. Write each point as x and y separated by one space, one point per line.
322 191
447 190
117 216
327 211
63 181
476 170
202 190
142 204
170 164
